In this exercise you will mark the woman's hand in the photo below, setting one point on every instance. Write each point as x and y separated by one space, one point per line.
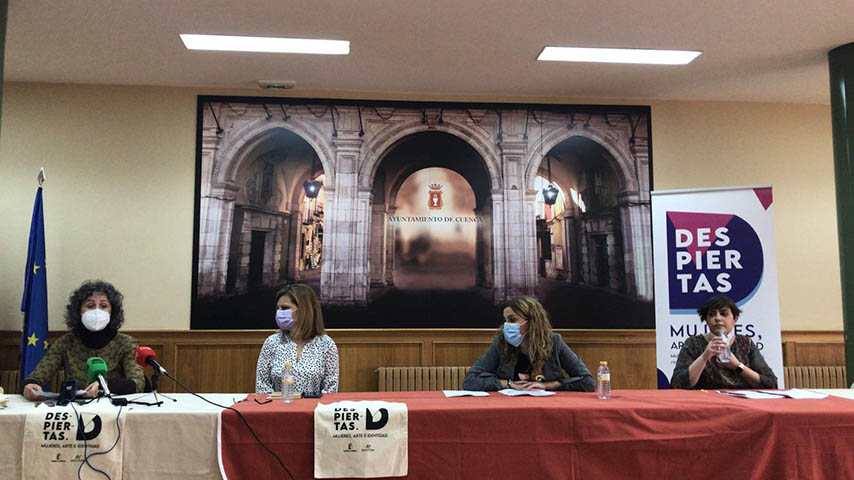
733 362
33 392
715 345
91 390
526 385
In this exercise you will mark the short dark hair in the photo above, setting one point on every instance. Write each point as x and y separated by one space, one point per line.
89 288
716 303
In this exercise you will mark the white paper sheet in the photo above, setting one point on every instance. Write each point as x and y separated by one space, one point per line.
534 393
751 394
837 392
797 393
53 395
464 393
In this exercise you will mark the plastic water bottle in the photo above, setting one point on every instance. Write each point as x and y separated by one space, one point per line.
603 381
288 383
724 355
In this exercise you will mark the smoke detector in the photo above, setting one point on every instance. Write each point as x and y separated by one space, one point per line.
276 84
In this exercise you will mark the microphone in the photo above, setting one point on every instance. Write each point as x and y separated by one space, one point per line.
146 356
96 368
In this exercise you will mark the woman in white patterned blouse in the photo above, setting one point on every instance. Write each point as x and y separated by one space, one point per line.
300 341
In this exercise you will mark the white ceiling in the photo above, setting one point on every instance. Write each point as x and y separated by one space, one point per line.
754 50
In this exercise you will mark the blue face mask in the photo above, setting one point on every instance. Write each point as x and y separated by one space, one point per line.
285 319
512 333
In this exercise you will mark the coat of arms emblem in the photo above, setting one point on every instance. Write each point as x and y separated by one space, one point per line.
434 198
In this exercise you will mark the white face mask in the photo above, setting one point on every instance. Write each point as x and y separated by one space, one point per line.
95 320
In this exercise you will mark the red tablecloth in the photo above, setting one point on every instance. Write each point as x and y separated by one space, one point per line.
636 434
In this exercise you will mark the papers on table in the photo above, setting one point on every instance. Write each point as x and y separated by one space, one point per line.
837 392
534 393
55 395
751 394
795 393
464 393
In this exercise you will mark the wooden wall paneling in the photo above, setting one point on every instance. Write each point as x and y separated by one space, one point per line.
217 368
790 353
10 358
816 354
457 354
359 360
813 348
630 355
632 366
427 354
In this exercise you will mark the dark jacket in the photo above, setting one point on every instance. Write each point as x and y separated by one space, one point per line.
492 367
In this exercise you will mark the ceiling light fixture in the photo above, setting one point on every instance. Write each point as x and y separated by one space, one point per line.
618 55
231 43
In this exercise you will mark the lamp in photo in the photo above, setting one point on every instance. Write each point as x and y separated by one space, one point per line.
312 189
550 192
550 195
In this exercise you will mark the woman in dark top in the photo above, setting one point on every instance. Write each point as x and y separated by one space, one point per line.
698 365
527 355
94 315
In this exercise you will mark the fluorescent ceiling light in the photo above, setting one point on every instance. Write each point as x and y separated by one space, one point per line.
265 44
618 55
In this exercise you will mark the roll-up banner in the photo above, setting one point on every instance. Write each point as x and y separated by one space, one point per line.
714 241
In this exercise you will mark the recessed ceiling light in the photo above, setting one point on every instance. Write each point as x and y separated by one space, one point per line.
618 55
265 44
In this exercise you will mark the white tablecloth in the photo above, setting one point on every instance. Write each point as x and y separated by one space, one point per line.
177 440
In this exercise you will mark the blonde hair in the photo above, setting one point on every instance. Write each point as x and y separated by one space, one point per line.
540 343
308 316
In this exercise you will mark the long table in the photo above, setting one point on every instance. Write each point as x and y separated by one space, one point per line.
636 434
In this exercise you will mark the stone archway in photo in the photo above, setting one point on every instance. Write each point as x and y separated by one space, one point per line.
251 209
604 230
432 155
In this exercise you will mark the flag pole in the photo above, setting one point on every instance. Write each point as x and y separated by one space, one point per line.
41 177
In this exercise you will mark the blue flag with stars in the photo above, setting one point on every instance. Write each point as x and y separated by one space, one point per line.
34 303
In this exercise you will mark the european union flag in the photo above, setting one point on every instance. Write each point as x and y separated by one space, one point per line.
34 303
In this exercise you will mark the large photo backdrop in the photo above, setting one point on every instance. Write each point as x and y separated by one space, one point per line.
422 215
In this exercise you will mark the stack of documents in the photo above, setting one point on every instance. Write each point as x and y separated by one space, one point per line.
796 393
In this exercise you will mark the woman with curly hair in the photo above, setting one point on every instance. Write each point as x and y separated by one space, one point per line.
94 314
527 355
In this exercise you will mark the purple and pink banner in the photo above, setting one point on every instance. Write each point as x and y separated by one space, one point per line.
707 242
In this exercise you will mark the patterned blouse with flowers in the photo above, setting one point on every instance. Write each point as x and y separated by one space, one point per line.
315 371
715 375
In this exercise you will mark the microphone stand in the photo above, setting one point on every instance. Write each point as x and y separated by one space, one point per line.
155 380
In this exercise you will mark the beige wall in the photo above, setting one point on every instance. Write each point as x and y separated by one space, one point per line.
120 163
